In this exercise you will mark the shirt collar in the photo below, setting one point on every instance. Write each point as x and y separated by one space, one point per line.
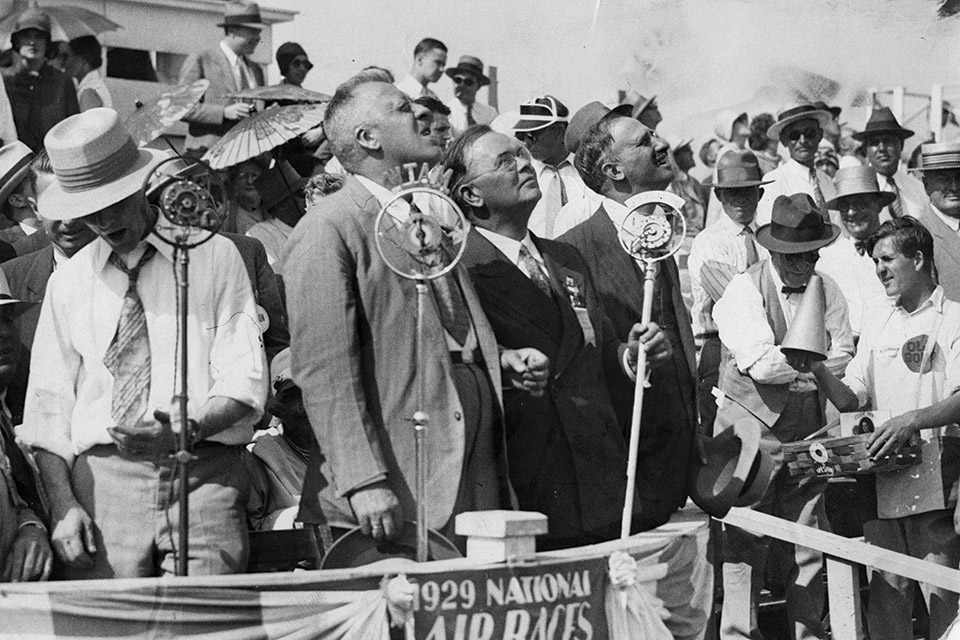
798 168
399 209
232 57
615 211
935 301
540 166
510 247
735 228
953 223
102 251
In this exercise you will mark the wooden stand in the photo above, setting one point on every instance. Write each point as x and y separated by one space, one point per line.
501 536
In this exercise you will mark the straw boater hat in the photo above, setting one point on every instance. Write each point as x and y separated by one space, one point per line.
354 549
737 169
96 162
796 226
940 155
796 114
470 65
33 18
852 181
242 14
540 113
881 121
15 159
584 119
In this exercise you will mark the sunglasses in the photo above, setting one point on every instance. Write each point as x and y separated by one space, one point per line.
807 256
302 63
464 80
809 134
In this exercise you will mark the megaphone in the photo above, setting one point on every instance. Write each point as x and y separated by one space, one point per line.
807 334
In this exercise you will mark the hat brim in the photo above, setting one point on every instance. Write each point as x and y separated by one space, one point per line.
527 126
886 197
739 184
56 204
730 457
768 242
252 25
823 118
354 549
15 179
482 79
765 466
863 135
639 108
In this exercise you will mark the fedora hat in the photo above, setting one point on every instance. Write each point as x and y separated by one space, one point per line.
242 14
851 181
796 226
96 162
15 159
280 183
31 19
796 114
640 105
540 113
470 65
584 120
834 111
737 169
882 120
354 549
940 155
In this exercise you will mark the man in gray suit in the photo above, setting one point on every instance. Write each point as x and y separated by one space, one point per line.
940 166
229 69
352 329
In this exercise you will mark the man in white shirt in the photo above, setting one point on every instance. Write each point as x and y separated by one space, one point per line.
733 129
759 382
467 79
859 201
908 362
800 130
429 61
882 139
940 170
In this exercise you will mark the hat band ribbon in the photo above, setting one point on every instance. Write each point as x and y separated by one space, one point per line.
537 118
795 234
101 172
949 161
738 174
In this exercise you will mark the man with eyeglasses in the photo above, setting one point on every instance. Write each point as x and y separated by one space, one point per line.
940 170
800 130
467 79
883 139
759 383
429 60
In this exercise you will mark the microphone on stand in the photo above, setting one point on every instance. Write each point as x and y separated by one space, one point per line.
186 195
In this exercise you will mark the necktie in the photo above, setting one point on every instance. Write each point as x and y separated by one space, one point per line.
556 197
896 207
534 272
453 309
817 193
242 69
751 246
128 356
470 120
785 290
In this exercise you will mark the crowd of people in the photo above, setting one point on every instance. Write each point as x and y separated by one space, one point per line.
303 363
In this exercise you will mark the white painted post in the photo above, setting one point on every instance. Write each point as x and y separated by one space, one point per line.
501 536
843 593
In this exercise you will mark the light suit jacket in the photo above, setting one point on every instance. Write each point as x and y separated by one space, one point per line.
946 252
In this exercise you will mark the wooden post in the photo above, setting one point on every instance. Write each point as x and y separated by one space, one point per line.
501 536
936 112
843 593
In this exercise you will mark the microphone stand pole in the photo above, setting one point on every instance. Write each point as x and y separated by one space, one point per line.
421 422
184 455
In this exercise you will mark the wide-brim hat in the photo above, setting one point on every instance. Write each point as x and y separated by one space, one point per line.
540 113
737 169
32 19
280 183
96 162
16 307
15 159
242 14
354 549
796 226
584 120
796 114
764 468
470 65
834 111
861 179
936 156
882 121
640 105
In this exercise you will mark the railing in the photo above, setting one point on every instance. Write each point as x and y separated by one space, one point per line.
842 556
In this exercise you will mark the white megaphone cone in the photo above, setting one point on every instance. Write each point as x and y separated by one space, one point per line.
807 334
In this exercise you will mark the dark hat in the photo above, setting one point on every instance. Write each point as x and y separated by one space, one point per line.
31 19
242 14
861 179
882 120
940 155
287 52
354 549
796 114
470 65
834 111
736 169
278 184
796 226
540 113
583 120
640 105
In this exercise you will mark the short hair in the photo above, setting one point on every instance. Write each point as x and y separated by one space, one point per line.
758 131
88 48
321 185
426 45
340 119
909 236
705 149
40 165
455 159
592 151
382 74
434 104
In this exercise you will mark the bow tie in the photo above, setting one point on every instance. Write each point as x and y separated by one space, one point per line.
788 290
861 247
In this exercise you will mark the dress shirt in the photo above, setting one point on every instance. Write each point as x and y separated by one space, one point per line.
94 82
70 391
511 249
412 87
856 275
574 187
882 380
789 178
719 251
238 65
952 223
482 114
577 211
912 194
273 233
742 322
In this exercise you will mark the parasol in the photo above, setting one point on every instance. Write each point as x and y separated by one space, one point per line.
262 132
289 92
152 118
66 21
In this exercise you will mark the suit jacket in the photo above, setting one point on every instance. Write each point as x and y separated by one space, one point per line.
31 243
39 102
946 252
566 452
206 122
669 419
353 323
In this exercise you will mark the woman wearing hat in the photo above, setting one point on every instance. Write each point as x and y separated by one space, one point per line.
294 67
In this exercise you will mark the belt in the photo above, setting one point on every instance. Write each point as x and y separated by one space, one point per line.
467 357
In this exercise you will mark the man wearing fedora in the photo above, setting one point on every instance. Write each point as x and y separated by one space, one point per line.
467 79
40 95
229 70
757 381
859 201
940 170
281 192
800 130
882 140
429 61
733 129
908 363
719 252
103 366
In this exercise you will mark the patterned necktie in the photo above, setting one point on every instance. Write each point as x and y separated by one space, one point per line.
534 272
896 207
751 246
556 197
241 68
128 356
470 120
453 309
817 193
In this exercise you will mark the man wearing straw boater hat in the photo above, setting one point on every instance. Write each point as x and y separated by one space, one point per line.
757 381
908 359
229 69
940 170
860 202
467 79
103 366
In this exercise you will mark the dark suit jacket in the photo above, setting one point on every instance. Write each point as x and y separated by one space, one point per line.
31 243
206 119
567 455
669 419
946 253
39 102
352 328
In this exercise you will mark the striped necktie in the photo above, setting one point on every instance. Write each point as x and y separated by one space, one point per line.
750 244
817 193
534 272
556 198
896 207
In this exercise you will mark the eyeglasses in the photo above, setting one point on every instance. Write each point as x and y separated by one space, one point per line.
810 257
809 134
464 80
505 163
301 63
